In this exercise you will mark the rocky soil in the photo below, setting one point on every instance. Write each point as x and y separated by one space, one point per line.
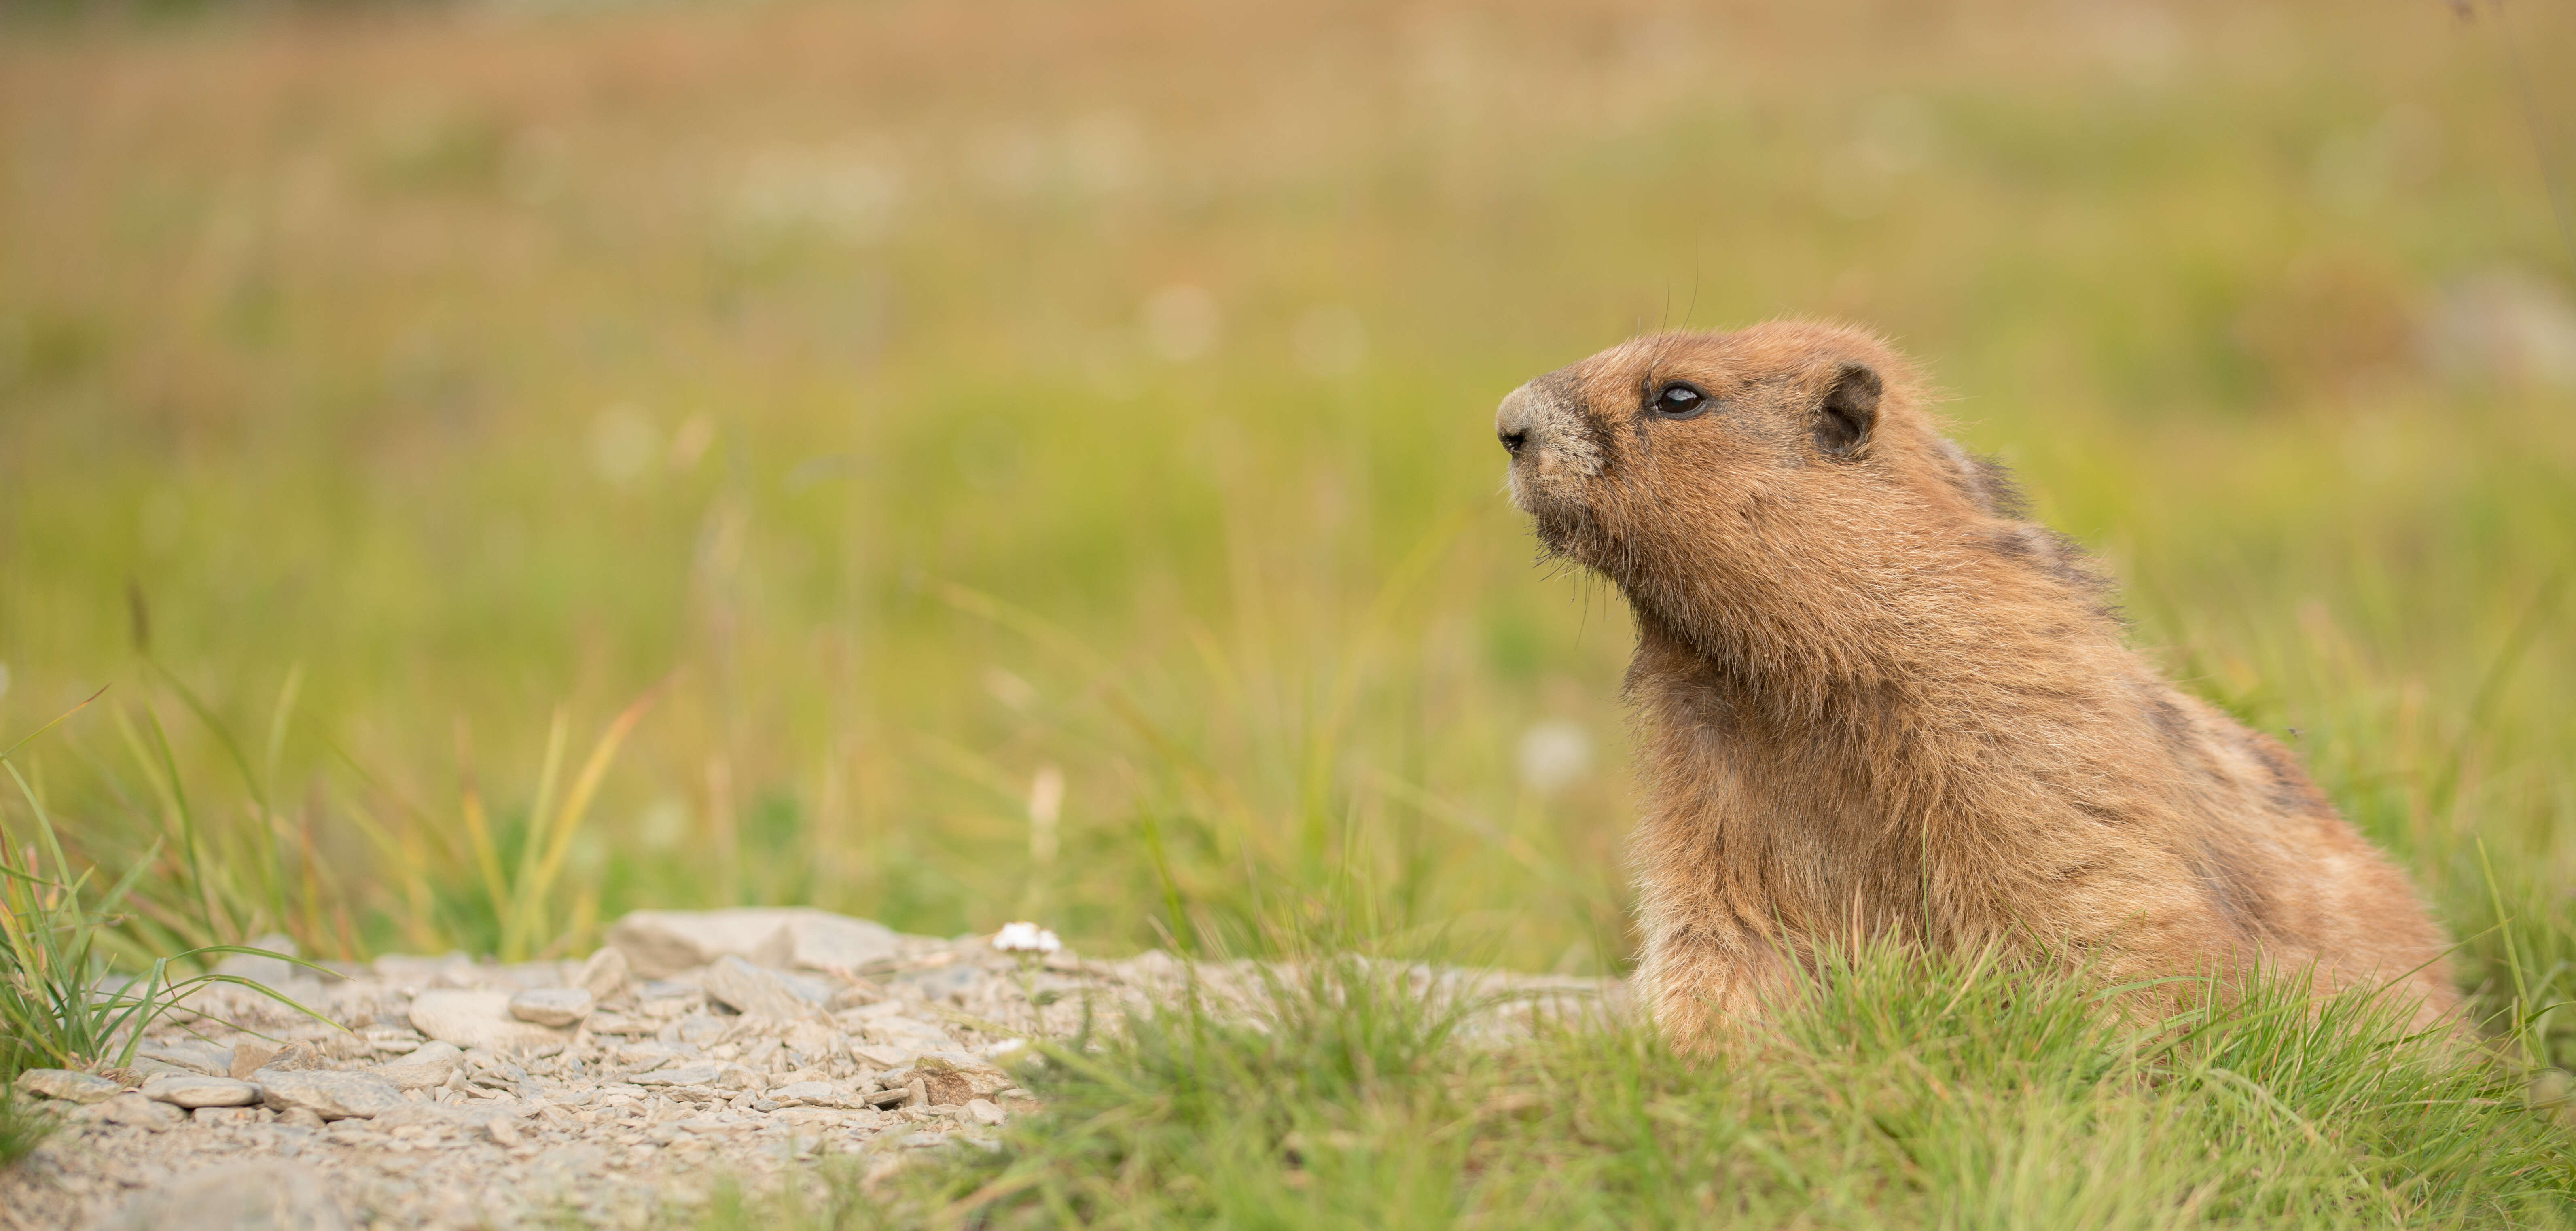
698 1046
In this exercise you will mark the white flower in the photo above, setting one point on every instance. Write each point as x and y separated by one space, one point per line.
1554 755
1026 938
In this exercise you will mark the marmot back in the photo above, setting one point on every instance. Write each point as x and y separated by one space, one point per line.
1878 702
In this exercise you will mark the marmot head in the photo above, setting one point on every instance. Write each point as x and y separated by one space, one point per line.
1779 483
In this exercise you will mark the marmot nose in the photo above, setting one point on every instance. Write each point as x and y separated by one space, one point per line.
1514 419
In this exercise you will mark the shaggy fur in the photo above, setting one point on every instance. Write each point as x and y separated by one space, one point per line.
1878 703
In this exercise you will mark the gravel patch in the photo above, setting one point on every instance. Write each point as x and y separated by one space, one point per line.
747 1044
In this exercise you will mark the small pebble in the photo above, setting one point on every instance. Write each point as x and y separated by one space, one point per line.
502 1131
986 1111
551 1006
136 1111
195 1092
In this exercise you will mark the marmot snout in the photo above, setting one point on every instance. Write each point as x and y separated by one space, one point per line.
1878 703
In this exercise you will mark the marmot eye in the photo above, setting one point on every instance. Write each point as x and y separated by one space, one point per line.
1680 401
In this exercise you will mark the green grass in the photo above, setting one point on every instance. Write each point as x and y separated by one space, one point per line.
62 1003
22 1127
388 401
1906 1093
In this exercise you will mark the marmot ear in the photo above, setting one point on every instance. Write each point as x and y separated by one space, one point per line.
1848 412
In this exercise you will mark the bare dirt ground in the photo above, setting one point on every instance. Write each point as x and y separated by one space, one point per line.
699 1046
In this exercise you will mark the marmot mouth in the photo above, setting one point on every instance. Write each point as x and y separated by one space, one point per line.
1560 529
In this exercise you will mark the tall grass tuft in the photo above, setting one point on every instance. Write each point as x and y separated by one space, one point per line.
498 887
22 1127
61 1005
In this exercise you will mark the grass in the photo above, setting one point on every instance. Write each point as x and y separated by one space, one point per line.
22 1127
61 1003
1906 1093
1063 490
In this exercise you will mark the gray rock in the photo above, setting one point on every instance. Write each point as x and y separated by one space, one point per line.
430 1064
552 1006
66 1084
478 1019
195 1092
681 1075
605 974
806 1092
906 1032
250 1196
190 1054
884 1055
296 1057
986 1111
755 992
837 944
136 1111
232 1115
390 1040
333 1096
658 943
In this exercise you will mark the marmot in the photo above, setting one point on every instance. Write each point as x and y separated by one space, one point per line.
1877 702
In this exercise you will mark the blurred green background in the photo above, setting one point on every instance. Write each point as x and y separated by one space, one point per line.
1035 459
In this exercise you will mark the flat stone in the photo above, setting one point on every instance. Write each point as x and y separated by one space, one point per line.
680 1075
658 943
296 1057
884 1055
66 1084
552 1006
605 975
986 1111
429 1064
195 1092
333 1096
391 1040
231 1115
247 1196
190 1054
837 944
755 992
806 1092
478 1019
136 1111
904 1031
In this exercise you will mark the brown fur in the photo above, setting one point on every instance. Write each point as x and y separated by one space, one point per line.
1878 704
